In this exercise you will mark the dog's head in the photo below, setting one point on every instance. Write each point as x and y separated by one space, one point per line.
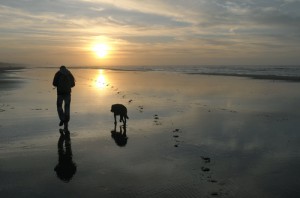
113 108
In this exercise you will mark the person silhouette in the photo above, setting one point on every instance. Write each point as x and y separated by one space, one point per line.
120 137
63 81
66 168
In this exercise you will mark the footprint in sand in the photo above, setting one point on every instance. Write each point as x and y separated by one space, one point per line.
156 120
207 173
206 159
177 131
205 169
214 194
141 109
176 136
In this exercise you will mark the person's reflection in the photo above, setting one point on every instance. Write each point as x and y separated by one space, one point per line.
120 137
66 168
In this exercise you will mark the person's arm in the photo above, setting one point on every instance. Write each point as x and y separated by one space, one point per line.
72 80
55 80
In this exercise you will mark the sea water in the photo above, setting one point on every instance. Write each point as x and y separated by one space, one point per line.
285 72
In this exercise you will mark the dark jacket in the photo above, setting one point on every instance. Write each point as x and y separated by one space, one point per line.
63 88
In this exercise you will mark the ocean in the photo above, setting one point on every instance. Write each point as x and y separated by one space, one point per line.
287 73
271 72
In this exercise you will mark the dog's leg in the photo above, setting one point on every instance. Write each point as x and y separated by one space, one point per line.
124 131
115 129
115 116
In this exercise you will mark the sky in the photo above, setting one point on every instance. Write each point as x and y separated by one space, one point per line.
150 32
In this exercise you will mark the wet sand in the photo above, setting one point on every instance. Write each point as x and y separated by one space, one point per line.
187 136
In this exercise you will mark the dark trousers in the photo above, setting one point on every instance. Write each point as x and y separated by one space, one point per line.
64 114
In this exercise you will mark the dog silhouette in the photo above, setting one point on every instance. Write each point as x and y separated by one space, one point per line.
119 110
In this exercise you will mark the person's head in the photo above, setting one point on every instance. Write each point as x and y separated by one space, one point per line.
63 69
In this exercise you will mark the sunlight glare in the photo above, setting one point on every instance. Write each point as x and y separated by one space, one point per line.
100 80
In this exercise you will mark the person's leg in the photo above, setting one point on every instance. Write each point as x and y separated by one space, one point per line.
67 100
60 111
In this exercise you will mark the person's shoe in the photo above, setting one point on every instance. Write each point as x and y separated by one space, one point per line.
61 123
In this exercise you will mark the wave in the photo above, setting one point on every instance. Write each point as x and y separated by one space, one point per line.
286 73
256 76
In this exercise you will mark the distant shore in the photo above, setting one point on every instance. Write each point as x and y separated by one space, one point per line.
10 66
7 81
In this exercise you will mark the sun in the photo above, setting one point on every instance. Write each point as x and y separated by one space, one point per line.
101 50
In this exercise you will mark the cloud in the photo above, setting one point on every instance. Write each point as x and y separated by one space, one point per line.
184 27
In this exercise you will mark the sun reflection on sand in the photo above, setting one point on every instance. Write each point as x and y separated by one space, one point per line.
101 81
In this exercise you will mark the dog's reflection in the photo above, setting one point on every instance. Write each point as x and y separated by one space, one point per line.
66 168
120 137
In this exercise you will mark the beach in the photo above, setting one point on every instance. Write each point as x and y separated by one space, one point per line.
186 136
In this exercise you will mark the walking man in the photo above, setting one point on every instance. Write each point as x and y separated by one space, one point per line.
63 81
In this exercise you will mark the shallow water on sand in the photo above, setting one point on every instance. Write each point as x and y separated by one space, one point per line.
187 136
